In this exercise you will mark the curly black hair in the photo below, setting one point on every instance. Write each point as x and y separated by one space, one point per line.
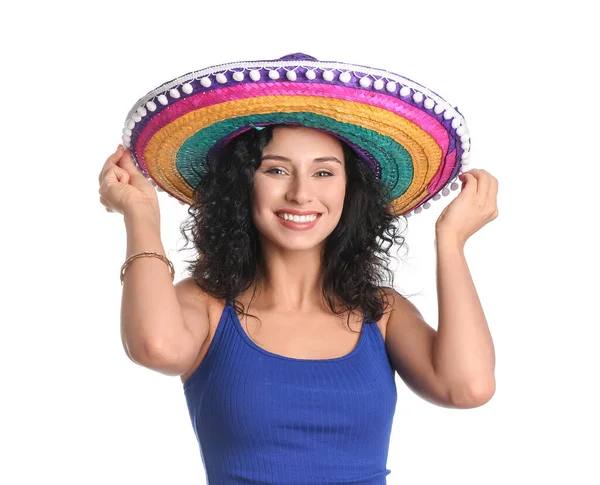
228 245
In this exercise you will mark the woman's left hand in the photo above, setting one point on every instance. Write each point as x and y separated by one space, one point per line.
474 207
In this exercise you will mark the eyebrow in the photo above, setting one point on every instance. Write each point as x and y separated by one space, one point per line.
285 159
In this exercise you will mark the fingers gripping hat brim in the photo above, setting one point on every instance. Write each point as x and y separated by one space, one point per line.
414 142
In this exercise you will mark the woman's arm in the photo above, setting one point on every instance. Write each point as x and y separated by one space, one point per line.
463 352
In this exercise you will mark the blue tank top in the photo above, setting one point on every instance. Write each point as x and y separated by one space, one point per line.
262 418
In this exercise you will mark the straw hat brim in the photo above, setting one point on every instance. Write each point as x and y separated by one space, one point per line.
414 141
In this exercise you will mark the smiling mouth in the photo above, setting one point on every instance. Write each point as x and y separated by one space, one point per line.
313 218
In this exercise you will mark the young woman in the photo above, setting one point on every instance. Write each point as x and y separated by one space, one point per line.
285 336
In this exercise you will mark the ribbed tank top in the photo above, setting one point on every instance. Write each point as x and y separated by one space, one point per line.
263 418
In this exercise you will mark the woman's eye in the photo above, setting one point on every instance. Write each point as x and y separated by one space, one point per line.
329 174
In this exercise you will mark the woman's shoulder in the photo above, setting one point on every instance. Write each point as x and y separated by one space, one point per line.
389 294
189 290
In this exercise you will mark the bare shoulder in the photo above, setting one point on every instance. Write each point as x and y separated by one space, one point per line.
399 304
188 288
396 308
390 297
190 294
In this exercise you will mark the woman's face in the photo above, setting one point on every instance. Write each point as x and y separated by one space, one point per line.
302 169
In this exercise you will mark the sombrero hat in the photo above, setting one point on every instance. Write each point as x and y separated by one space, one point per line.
414 141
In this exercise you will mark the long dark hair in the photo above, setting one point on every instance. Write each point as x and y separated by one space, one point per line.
228 245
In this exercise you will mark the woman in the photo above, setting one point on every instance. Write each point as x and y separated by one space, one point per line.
303 391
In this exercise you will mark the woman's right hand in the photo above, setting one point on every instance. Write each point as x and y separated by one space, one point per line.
123 187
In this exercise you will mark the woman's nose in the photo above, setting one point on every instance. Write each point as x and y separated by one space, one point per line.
300 190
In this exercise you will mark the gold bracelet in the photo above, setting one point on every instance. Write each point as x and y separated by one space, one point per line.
147 254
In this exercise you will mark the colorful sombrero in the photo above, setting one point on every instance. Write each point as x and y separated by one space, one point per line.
410 137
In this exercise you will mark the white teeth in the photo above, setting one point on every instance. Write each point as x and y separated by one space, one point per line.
289 217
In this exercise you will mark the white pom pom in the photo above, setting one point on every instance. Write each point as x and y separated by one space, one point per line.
455 123
238 76
408 214
465 155
126 138
390 86
254 75
429 103
365 82
461 130
465 145
310 75
130 124
162 99
453 186
426 205
465 138
445 191
418 97
273 74
127 131
136 117
328 75
174 93
291 75
438 109
447 115
205 81
378 84
142 111
126 144
187 88
345 77
151 106
437 197
418 210
405 91
221 78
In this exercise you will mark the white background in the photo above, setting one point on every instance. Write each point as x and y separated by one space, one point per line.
75 410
